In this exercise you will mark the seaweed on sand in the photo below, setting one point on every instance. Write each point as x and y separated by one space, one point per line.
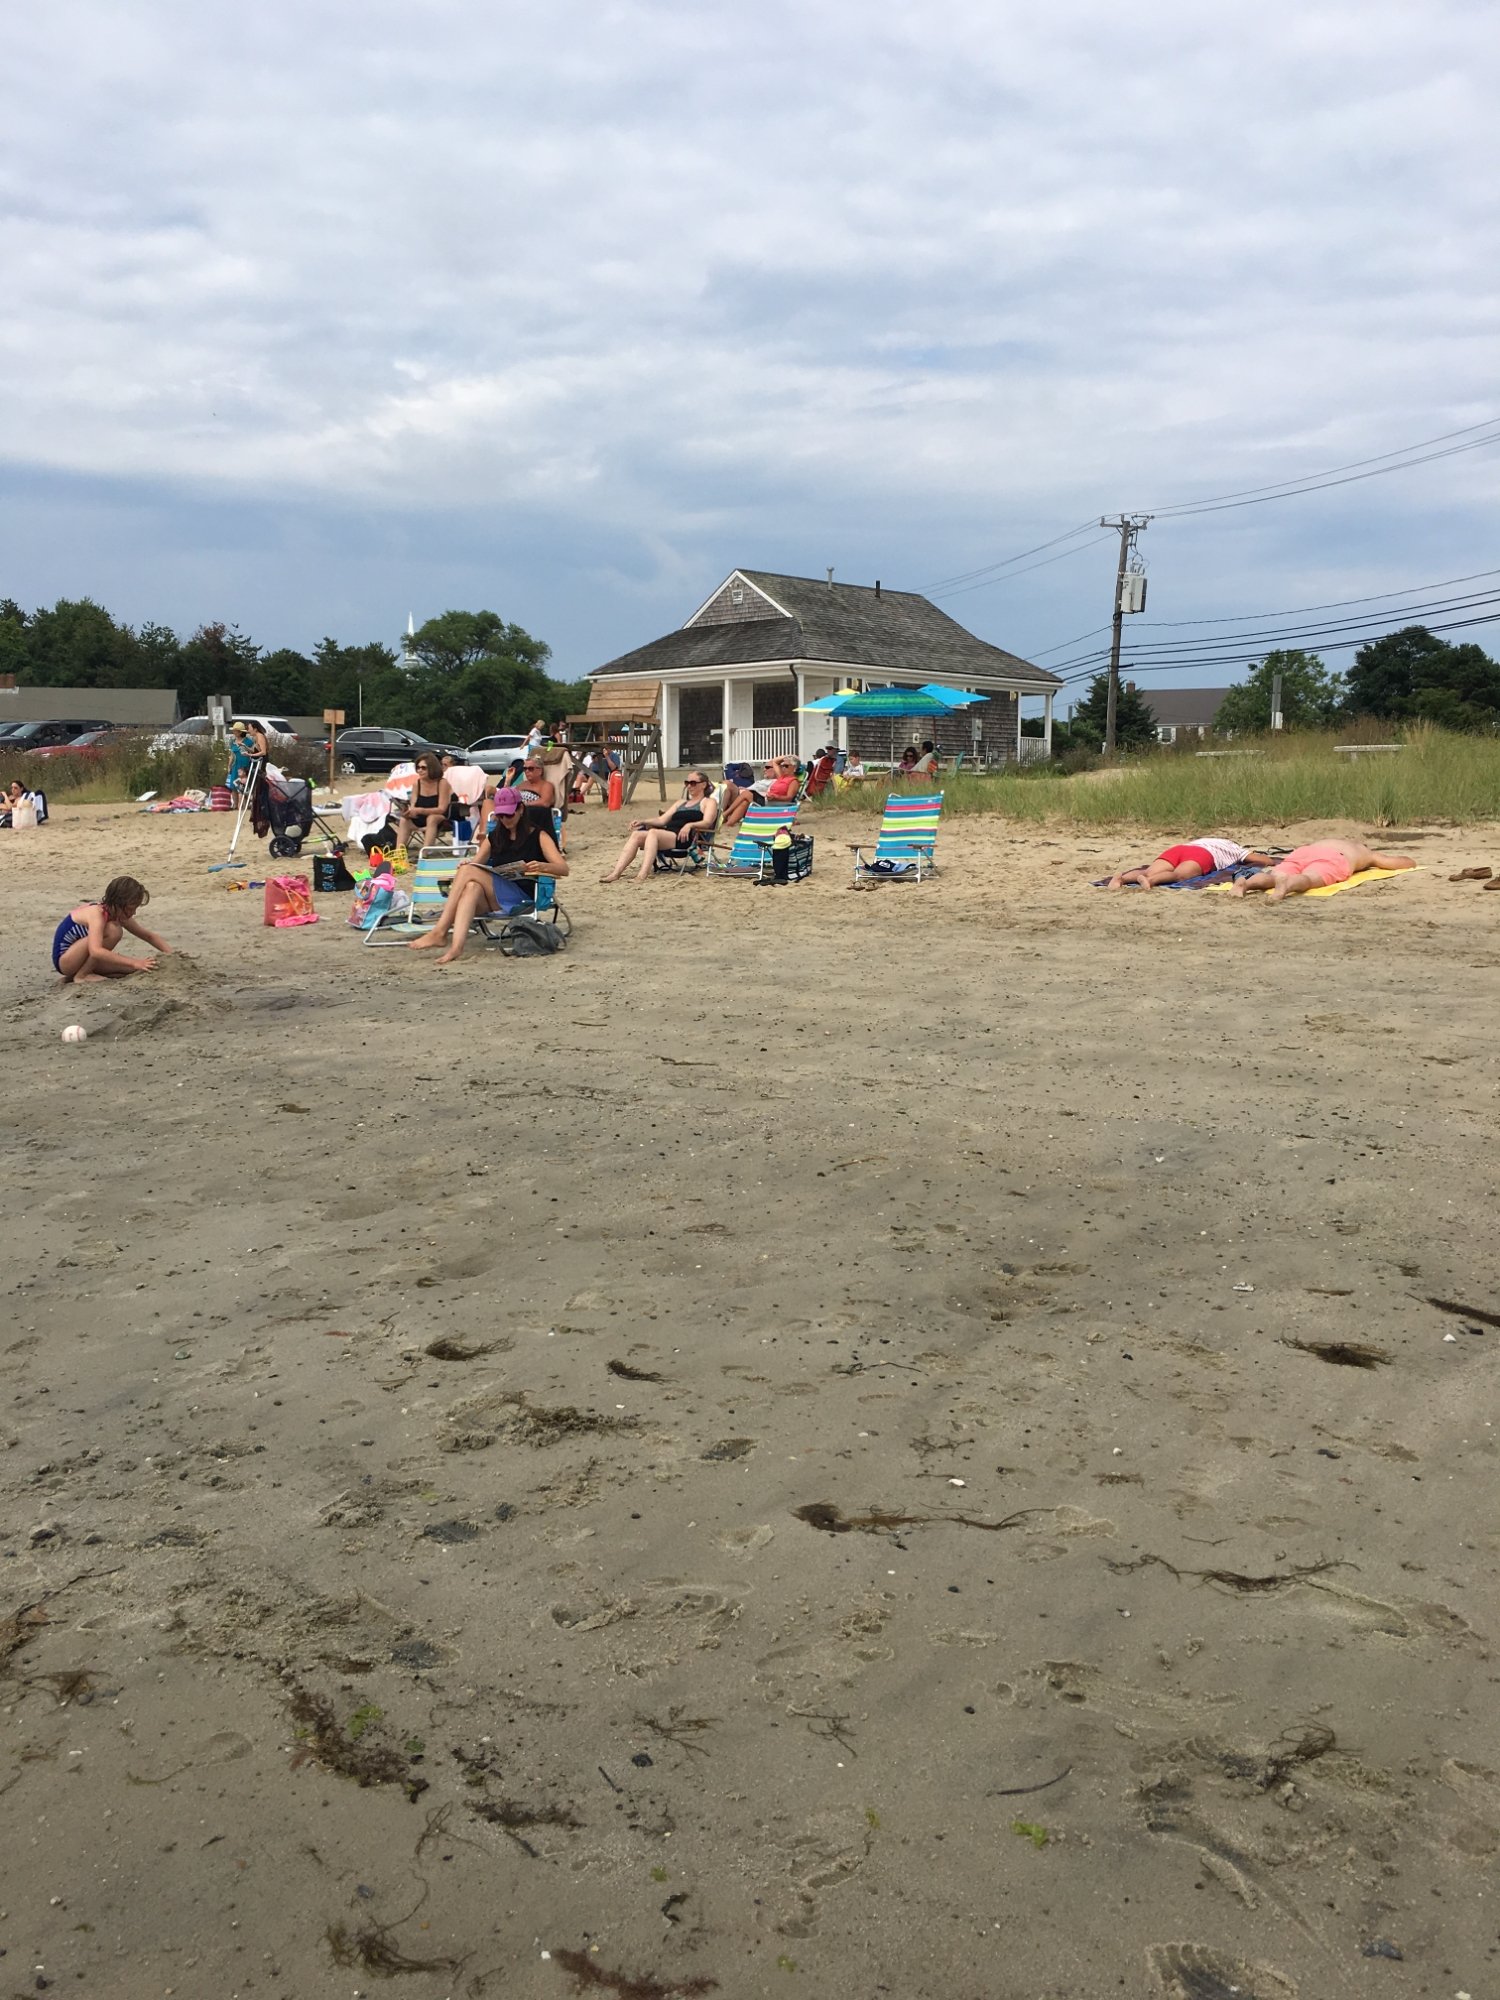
630 1986
823 1514
370 1947
1230 1579
348 1755
1342 1353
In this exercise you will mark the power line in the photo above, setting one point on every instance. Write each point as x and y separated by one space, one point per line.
1400 460
1312 482
1044 564
1253 657
1206 647
948 584
1301 610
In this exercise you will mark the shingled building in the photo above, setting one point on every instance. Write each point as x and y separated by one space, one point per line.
734 679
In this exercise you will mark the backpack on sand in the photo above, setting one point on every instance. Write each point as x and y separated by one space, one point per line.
528 937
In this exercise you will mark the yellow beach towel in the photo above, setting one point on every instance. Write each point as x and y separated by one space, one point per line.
1334 888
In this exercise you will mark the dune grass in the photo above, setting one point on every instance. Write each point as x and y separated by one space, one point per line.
1437 776
125 770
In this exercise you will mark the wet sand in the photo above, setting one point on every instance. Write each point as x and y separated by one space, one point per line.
414 1382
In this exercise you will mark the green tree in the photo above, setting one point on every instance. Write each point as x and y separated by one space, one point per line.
363 681
160 656
78 644
472 673
13 651
1309 694
216 660
282 684
1135 726
1415 673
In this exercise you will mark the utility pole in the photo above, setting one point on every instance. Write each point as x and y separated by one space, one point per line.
1129 526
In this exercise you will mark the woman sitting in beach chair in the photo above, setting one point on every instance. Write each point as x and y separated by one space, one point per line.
424 817
691 820
515 849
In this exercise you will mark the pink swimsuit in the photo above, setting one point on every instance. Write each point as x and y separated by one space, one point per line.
1325 863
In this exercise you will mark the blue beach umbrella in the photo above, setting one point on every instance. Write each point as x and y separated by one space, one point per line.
929 699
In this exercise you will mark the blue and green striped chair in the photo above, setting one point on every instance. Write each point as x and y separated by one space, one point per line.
905 847
750 849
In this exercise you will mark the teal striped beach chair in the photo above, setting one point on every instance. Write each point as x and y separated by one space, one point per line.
750 851
428 890
905 847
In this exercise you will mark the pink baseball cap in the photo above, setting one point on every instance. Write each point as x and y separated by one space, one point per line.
507 801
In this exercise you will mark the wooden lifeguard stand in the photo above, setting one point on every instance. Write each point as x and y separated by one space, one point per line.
623 716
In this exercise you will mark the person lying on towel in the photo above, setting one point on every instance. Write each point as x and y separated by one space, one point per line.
1183 863
1322 865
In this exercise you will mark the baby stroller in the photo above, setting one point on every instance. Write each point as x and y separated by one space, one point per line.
283 807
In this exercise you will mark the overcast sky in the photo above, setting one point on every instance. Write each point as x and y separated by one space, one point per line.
317 314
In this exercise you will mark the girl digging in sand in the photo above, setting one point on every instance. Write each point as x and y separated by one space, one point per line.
1318 866
83 946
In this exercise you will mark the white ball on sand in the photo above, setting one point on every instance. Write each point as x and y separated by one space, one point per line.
75 1034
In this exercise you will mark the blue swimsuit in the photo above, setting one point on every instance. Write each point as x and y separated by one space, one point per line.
68 932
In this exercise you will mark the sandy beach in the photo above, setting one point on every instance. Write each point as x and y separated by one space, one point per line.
935 1443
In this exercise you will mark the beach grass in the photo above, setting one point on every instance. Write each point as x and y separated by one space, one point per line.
1436 777
125 770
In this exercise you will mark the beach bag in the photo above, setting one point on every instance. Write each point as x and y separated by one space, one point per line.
529 937
221 799
289 902
376 897
23 813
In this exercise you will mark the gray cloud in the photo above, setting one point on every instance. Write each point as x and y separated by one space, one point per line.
647 271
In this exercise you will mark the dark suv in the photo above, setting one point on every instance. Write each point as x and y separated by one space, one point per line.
40 735
383 749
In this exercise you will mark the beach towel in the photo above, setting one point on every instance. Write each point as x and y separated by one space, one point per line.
366 814
1365 875
1354 881
1240 870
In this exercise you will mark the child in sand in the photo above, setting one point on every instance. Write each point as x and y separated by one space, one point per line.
83 946
1318 866
1182 863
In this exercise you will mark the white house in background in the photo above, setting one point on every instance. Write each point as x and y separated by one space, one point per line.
737 674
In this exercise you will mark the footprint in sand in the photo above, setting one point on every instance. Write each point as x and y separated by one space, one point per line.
1195 1972
826 1853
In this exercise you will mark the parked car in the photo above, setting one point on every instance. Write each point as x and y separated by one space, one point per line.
38 735
89 744
200 729
495 754
365 749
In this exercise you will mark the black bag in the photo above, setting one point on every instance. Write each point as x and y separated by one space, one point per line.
529 937
330 876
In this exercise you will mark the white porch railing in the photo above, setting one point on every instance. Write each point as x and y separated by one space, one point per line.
1032 749
754 746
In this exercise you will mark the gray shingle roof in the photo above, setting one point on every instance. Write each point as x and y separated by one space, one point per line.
1183 708
896 632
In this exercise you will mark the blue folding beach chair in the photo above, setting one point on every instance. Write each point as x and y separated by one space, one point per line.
750 852
906 845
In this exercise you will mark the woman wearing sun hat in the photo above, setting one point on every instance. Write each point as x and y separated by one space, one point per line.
240 755
514 847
